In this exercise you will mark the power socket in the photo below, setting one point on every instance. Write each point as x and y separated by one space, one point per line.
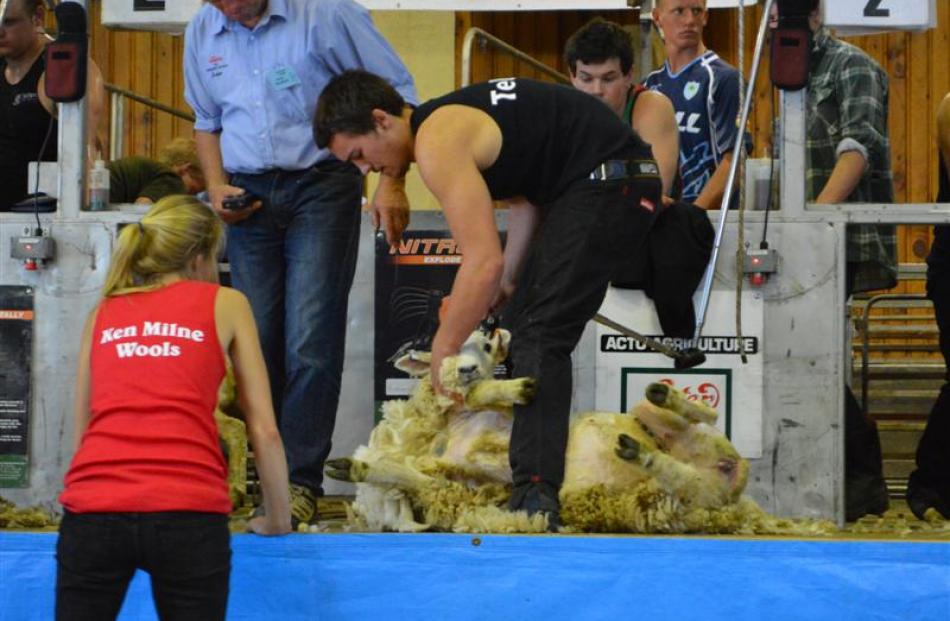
33 231
33 250
761 261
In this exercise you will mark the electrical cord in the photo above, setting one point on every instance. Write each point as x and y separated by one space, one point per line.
740 152
36 184
764 244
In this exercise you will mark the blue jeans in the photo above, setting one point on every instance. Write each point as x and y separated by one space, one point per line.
294 259
187 555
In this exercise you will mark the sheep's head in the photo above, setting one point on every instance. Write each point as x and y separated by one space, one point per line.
476 360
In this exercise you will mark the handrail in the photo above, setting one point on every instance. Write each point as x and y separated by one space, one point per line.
865 321
117 118
469 39
152 103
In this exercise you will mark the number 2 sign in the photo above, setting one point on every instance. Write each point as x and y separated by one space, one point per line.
881 14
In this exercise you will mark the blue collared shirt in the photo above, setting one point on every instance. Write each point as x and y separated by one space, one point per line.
259 87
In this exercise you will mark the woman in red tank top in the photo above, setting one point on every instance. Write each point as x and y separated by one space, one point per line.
147 487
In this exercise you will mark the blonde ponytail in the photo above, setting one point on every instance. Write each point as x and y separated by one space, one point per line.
174 231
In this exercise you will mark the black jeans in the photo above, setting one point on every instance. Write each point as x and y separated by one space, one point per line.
933 450
582 239
187 555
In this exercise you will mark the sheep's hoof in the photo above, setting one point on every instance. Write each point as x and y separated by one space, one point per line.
340 469
627 448
658 394
528 388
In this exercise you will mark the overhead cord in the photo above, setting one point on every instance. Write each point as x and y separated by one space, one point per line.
36 184
739 151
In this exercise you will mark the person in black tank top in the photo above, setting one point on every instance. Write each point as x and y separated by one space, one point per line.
929 485
581 187
24 112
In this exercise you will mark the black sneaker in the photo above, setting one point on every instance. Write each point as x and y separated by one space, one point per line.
864 495
537 498
921 497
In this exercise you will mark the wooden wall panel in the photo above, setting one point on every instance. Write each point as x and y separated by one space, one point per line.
164 86
917 64
148 64
540 34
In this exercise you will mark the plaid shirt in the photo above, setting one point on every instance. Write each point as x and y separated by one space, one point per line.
847 111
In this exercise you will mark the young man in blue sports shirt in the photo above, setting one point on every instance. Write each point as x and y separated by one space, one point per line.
704 90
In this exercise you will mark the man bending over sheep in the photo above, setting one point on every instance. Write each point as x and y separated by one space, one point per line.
583 190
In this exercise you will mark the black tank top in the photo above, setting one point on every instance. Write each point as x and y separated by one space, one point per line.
552 136
938 262
23 125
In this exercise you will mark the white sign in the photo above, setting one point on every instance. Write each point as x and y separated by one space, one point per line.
525 5
728 4
851 16
731 387
155 15
174 15
492 5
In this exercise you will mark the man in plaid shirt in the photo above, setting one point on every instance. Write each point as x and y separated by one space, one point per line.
848 161
848 153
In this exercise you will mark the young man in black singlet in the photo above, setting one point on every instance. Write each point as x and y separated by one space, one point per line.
25 110
581 188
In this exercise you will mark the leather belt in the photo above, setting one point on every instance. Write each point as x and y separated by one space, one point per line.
625 169
613 169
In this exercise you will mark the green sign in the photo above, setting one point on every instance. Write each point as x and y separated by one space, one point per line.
16 354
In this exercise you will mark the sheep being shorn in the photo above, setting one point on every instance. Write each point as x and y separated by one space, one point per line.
437 463
432 457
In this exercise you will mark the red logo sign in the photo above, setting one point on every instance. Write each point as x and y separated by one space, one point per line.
707 392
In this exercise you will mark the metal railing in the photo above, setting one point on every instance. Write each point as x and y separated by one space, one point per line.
916 300
477 33
118 95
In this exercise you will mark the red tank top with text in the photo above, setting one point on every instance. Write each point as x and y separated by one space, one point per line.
152 443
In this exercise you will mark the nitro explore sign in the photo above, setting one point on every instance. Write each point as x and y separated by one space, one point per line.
435 250
611 343
166 349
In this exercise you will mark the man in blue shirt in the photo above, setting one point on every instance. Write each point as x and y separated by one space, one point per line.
253 72
705 94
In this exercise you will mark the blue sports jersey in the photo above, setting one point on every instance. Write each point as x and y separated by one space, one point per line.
705 96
